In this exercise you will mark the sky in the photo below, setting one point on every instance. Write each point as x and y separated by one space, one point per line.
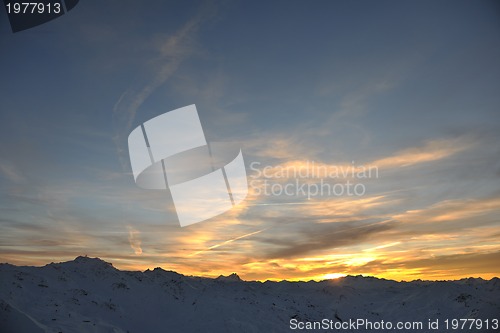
395 102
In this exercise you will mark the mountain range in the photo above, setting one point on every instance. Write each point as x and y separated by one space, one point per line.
90 295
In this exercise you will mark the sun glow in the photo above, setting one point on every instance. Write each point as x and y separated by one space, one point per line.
333 276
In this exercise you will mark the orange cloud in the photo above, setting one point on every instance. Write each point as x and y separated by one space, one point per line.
432 151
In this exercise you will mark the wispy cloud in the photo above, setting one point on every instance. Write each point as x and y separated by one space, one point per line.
11 172
452 210
168 53
431 151
134 240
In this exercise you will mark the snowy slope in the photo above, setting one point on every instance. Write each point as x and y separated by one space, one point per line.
90 295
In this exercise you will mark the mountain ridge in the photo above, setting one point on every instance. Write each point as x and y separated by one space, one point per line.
91 295
83 259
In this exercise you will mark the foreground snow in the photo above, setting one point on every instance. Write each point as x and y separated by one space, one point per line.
90 295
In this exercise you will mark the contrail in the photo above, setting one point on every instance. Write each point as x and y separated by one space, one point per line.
226 242
284 203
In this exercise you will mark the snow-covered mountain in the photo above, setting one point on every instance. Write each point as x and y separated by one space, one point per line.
90 295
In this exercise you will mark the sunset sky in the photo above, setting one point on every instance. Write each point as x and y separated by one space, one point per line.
408 88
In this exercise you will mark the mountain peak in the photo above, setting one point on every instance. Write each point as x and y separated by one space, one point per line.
231 277
90 260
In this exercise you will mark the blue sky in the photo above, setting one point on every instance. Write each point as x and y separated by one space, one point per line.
410 87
